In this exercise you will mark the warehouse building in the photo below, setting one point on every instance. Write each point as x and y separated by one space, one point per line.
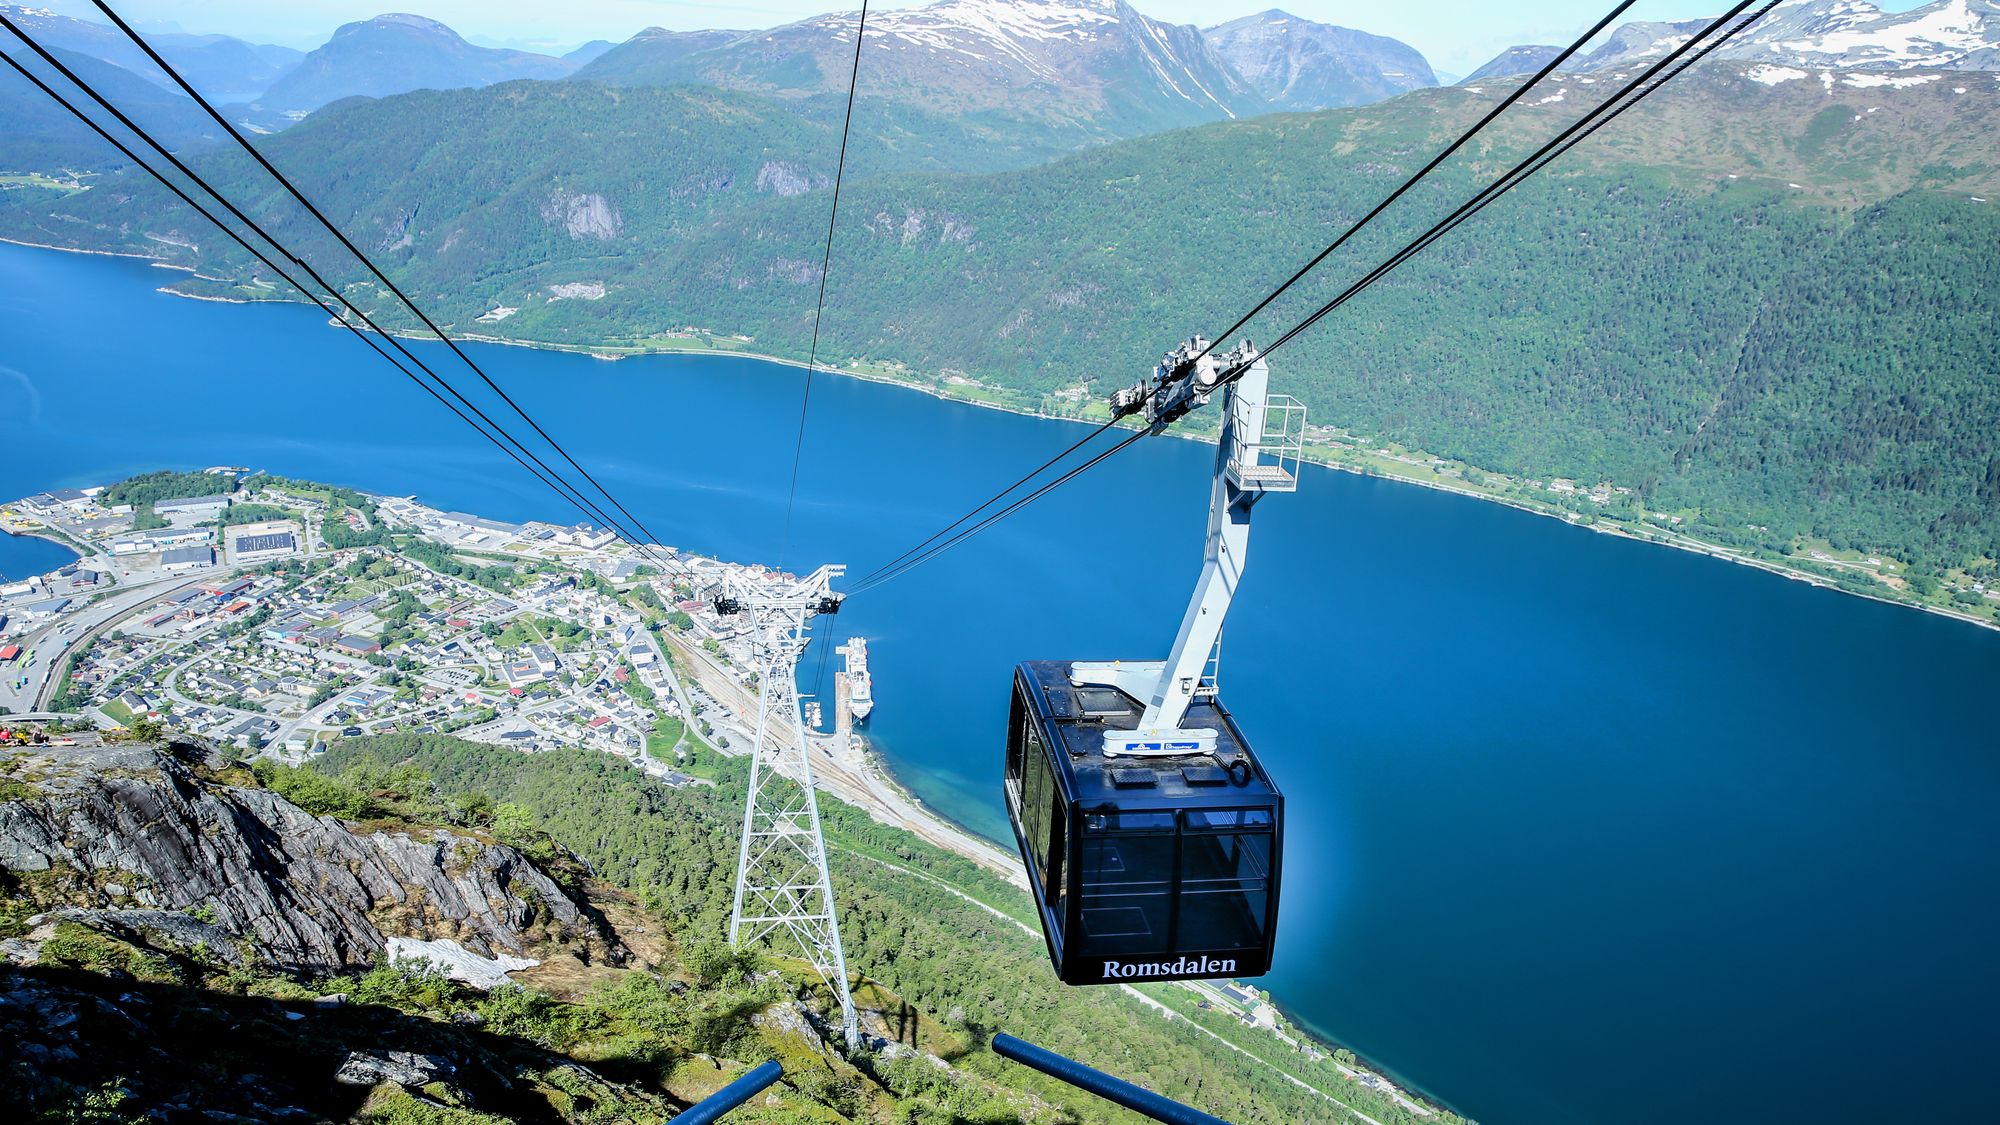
187 558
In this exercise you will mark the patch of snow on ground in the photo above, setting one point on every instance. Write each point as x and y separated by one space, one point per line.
1772 75
1894 81
1552 98
458 962
1826 79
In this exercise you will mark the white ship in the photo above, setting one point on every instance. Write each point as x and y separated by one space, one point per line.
812 714
860 687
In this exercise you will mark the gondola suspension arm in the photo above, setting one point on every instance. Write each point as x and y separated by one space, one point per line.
1258 453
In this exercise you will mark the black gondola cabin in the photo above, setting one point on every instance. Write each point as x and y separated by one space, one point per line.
1142 868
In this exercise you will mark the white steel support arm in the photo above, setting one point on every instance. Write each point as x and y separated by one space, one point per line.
1223 556
1251 458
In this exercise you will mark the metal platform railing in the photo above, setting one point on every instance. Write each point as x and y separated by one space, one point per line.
711 1108
1269 460
1115 1090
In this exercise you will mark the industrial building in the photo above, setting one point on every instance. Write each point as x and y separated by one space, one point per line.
158 539
191 509
251 548
187 558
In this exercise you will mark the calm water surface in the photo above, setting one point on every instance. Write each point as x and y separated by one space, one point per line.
22 555
1583 830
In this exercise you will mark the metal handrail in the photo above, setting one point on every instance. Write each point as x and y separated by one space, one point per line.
1114 1090
711 1108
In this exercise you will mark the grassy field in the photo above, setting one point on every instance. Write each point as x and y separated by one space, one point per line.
666 734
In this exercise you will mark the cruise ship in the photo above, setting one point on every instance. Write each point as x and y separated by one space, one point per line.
860 687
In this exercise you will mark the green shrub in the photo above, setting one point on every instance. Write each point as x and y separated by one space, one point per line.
315 792
526 1014
411 986
73 946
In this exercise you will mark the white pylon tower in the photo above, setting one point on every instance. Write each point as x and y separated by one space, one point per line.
781 877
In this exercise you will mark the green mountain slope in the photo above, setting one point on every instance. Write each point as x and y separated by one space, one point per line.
41 136
1762 303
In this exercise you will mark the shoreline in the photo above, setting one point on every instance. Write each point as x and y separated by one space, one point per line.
1691 544
46 537
616 352
851 771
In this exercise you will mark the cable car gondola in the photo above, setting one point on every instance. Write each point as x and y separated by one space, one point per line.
1151 834
1161 869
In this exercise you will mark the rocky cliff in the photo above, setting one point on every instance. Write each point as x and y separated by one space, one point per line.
179 943
146 844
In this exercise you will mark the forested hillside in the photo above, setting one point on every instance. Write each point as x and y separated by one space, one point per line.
1762 301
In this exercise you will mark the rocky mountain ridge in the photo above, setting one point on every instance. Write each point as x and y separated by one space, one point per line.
1842 34
1298 64
1097 65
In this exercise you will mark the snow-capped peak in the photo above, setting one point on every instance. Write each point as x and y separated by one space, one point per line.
1963 34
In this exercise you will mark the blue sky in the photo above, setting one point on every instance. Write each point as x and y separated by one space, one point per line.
1455 35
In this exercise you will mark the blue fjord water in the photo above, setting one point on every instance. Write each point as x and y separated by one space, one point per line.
22 556
1582 830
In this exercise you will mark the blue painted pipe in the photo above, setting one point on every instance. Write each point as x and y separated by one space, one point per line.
1116 1090
711 1108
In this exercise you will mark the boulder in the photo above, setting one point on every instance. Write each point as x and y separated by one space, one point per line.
404 1068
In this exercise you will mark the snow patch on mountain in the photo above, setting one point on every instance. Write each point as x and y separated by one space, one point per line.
1772 75
1845 34
1893 81
458 962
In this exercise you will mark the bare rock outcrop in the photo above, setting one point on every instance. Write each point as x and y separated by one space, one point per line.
583 215
125 835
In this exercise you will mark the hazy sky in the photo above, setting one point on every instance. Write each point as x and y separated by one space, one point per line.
1455 35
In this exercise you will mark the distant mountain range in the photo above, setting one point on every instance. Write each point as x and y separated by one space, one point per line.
1016 81
1095 68
1525 59
1032 77
227 69
1847 34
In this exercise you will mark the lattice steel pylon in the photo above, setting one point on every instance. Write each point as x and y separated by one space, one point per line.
781 876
